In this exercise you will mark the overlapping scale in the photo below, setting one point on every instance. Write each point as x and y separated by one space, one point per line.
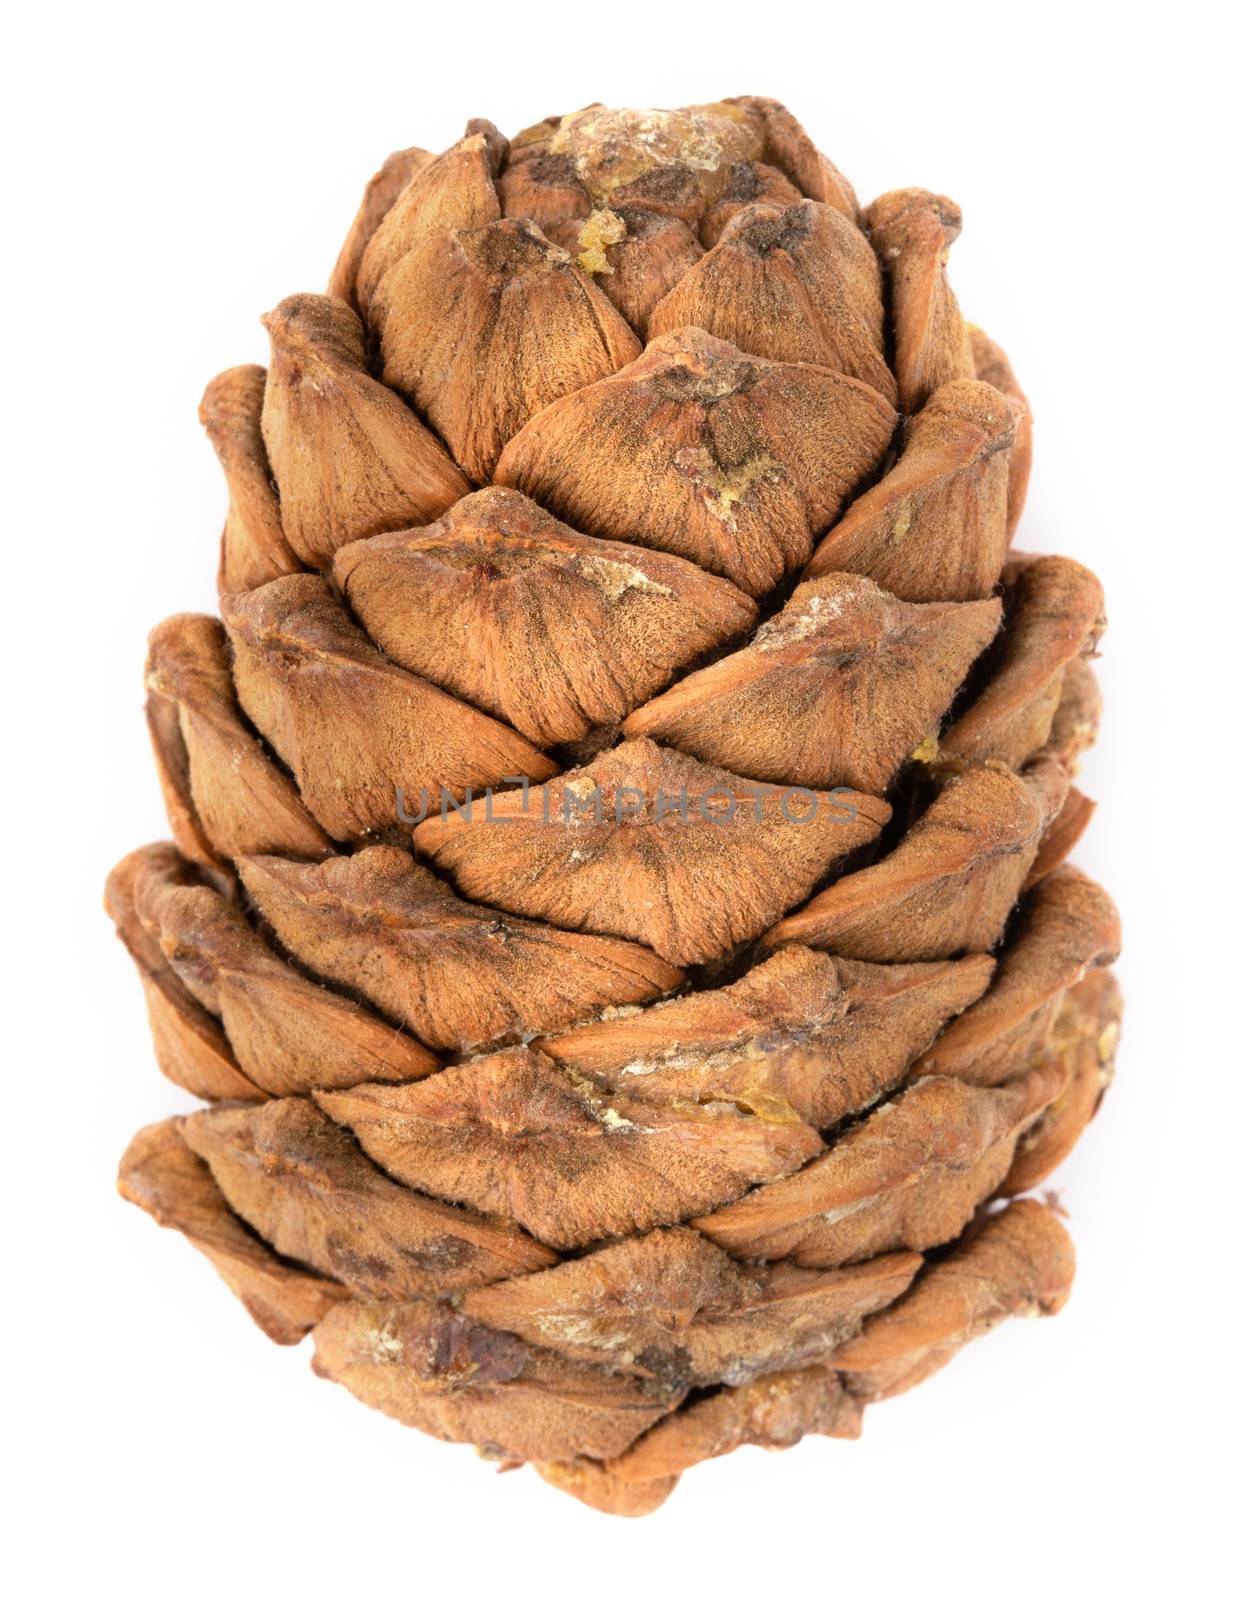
912 231
1084 1036
432 1368
1054 619
349 457
748 183
799 1035
634 255
304 1186
253 547
648 844
910 1176
224 794
840 688
352 727
951 882
837 690
512 611
191 1047
991 365
936 526
162 1174
726 459
458 975
1018 1264
482 328
796 285
774 1413
383 190
673 1307
287 1034
516 1135
454 190
1066 925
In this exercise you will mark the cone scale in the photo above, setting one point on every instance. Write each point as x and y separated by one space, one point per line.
617 915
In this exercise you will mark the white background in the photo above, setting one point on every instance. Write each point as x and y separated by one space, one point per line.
172 174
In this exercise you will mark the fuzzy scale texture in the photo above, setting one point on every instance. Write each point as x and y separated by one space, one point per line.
618 915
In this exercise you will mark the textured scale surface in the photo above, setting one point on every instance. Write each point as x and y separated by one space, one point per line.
618 919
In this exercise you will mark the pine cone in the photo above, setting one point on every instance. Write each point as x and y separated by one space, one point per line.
617 912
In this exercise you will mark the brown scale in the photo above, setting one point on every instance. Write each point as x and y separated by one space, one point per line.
551 631
796 285
482 328
699 449
650 844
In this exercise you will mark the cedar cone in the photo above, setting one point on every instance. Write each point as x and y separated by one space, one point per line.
617 914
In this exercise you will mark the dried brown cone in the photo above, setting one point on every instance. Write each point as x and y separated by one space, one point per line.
618 920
